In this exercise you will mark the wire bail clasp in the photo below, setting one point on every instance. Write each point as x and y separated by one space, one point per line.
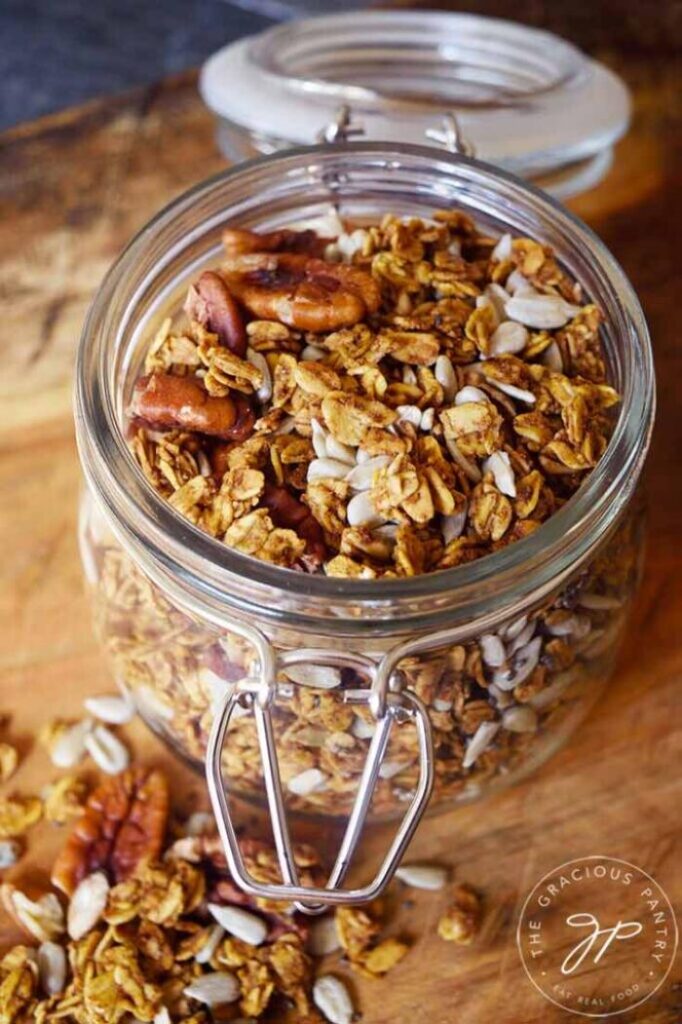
258 696
450 136
342 128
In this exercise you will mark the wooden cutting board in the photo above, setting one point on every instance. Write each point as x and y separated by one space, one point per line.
74 188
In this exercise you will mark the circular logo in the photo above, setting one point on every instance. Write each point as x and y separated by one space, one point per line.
597 936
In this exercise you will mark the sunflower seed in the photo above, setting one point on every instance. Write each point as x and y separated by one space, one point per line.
444 373
452 526
319 439
479 742
441 705
409 376
503 249
552 359
51 967
540 311
110 708
510 389
522 638
574 625
326 469
257 359
148 702
214 989
470 394
362 476
360 511
243 925
162 1016
428 419
323 937
498 297
312 354
409 414
422 876
391 768
321 677
362 729
555 689
499 465
69 748
465 464
340 452
331 998
215 937
509 337
87 904
514 628
106 750
312 780
10 852
520 719
518 284
492 650
200 823
525 662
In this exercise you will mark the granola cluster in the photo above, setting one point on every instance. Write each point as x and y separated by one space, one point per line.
397 399
145 924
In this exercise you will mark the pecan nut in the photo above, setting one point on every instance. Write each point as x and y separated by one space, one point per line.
123 823
301 292
290 513
165 401
209 301
240 242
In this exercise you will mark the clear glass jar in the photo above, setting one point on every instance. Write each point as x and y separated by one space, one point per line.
503 655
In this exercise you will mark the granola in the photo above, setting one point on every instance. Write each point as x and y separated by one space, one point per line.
178 941
432 431
441 390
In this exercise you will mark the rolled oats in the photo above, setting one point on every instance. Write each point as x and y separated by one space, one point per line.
462 921
9 759
18 814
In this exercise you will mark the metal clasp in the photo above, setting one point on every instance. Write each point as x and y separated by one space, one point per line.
342 128
258 696
450 136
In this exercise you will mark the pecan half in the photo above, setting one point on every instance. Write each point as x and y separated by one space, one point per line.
239 242
123 823
209 301
165 401
308 294
288 512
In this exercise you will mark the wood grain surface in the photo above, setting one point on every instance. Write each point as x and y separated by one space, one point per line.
74 187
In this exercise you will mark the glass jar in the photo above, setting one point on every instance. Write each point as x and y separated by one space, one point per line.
448 684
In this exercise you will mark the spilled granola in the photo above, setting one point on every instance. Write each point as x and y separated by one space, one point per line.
171 937
403 398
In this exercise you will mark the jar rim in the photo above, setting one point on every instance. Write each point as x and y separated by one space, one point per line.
186 559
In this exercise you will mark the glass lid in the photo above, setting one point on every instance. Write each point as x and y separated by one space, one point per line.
525 99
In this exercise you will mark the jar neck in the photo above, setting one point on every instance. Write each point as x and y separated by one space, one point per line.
363 179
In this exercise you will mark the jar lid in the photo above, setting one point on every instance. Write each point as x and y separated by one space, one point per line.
526 100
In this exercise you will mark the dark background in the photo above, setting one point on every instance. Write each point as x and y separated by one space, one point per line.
54 53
